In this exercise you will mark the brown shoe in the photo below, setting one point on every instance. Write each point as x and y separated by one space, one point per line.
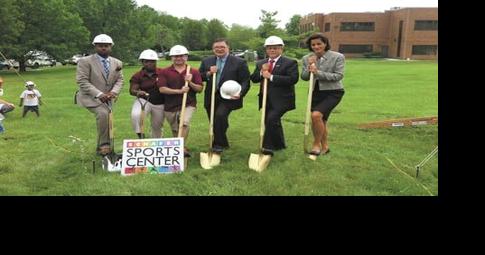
104 150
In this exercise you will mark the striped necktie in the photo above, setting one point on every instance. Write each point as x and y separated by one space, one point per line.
105 67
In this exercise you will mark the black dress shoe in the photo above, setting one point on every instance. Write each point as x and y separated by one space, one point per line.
217 149
267 152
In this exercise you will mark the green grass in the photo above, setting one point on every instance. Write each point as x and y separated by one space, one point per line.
37 156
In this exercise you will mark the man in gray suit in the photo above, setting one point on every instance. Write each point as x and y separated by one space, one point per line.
100 80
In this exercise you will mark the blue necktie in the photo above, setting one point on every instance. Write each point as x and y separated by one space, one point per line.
106 68
219 71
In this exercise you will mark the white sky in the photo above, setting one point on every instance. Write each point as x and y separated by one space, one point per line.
247 12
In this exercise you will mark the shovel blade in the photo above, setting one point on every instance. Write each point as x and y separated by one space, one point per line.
205 160
258 162
312 157
209 160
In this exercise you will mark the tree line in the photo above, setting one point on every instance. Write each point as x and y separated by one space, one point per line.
63 28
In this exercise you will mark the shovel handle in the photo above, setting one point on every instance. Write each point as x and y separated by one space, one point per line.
213 100
184 101
308 112
263 113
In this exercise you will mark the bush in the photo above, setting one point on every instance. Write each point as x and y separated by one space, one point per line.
296 53
372 55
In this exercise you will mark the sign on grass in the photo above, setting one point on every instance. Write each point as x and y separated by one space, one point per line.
153 156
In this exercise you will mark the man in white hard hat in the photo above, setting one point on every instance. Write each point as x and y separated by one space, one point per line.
144 86
173 87
100 80
226 67
282 75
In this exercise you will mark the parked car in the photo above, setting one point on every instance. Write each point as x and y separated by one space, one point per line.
37 59
74 59
9 64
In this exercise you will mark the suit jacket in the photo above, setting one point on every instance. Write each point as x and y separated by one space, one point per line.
281 91
235 69
91 80
330 70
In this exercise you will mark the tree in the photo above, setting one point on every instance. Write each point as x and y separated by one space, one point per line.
268 24
11 29
293 27
239 36
215 29
48 26
193 34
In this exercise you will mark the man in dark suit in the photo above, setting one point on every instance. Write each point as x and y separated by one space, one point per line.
226 67
282 75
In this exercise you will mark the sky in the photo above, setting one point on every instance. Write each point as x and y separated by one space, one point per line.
247 12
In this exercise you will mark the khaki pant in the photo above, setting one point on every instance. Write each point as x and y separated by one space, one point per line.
173 119
156 113
102 123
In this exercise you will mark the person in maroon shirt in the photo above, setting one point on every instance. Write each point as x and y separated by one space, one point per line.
173 87
143 85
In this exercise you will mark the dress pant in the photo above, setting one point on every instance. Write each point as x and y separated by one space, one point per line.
274 138
221 124
102 122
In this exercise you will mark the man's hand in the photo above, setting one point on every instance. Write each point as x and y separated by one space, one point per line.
105 97
266 74
213 69
188 77
184 89
235 97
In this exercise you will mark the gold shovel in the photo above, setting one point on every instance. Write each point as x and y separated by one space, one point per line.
210 159
307 118
259 162
182 115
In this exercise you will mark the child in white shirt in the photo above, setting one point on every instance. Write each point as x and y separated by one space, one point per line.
30 98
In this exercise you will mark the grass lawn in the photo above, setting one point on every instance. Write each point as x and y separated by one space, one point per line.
38 156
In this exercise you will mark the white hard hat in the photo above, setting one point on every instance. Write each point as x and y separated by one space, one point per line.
230 88
29 83
148 55
273 40
178 50
103 38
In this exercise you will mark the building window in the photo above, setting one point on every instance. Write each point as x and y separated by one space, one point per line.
425 49
426 25
357 26
327 27
355 48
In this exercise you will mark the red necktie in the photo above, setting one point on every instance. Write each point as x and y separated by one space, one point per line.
271 62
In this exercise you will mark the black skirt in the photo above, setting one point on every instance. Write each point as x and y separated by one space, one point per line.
324 101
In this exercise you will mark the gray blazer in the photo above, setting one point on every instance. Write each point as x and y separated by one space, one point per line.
330 70
91 80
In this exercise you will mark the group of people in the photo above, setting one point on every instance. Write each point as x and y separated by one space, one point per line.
159 91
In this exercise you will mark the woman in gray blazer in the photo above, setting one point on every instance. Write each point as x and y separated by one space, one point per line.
328 69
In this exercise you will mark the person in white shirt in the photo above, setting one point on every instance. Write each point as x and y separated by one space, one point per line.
30 99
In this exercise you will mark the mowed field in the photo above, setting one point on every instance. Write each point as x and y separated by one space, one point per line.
53 154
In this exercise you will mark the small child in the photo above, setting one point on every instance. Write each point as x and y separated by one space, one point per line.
30 98
4 107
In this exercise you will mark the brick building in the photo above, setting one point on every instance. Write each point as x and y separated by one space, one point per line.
397 33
